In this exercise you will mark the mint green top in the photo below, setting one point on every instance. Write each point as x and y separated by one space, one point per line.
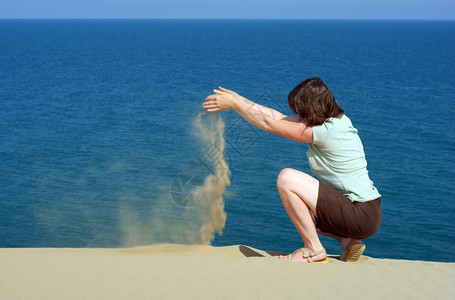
337 158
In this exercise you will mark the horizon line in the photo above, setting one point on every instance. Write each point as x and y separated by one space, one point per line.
233 19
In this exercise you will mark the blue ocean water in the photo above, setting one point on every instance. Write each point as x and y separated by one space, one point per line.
95 120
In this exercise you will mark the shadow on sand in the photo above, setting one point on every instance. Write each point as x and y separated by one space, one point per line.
251 252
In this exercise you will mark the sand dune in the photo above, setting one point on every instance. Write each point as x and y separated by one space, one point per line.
205 272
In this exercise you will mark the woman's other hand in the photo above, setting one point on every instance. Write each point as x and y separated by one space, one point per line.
223 99
234 94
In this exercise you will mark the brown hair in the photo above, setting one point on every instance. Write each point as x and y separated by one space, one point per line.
313 101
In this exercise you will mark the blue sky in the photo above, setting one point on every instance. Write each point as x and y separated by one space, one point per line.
276 9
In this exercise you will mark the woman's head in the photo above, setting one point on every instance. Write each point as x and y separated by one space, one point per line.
313 101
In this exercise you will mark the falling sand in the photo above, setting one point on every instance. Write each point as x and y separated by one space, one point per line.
190 211
211 134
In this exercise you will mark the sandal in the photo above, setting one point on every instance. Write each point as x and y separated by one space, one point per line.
354 252
309 255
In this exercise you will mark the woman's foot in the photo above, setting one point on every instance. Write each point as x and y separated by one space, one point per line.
305 255
351 249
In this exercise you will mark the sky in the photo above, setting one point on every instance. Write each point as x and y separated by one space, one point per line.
217 9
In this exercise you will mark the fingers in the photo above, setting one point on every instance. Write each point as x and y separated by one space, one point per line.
224 90
211 97
210 103
219 92
217 101
211 108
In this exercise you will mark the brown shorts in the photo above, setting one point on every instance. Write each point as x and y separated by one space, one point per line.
338 215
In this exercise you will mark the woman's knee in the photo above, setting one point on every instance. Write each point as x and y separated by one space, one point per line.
285 177
300 183
289 177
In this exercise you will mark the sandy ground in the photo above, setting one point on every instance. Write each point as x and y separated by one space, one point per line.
205 272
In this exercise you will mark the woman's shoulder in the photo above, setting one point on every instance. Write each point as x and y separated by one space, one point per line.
340 121
333 127
336 126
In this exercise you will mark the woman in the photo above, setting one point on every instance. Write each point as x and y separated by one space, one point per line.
344 204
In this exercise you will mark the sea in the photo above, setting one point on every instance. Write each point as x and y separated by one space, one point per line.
98 146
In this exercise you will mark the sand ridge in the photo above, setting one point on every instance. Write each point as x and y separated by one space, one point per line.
204 272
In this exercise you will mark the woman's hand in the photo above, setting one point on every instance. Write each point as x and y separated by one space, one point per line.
223 99
234 94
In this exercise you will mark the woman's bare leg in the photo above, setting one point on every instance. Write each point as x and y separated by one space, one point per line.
299 194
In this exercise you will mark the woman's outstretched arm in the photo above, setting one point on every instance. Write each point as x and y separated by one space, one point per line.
260 116
273 113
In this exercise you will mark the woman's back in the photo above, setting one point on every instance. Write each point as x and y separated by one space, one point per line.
336 156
